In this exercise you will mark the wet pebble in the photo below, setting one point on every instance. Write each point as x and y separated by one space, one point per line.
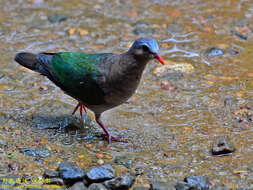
100 174
100 161
97 186
222 146
124 160
40 151
56 18
78 186
212 52
158 185
70 172
50 174
122 182
200 182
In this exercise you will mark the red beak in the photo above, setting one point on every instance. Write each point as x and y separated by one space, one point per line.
160 59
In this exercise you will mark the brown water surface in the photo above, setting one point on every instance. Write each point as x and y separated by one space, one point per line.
169 130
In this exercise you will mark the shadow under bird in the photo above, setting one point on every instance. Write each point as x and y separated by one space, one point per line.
97 81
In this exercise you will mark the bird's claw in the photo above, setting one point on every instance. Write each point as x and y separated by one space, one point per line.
82 107
111 138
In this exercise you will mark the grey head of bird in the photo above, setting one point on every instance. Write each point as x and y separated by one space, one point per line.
146 49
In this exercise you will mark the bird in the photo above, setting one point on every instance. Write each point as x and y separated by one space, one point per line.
98 81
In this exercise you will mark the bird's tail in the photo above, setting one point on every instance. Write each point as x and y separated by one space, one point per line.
28 60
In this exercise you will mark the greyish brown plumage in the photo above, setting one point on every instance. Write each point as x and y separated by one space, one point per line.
98 81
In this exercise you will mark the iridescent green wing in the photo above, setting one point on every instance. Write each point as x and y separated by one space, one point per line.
77 75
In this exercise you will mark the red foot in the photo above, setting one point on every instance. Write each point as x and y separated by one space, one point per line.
111 138
107 134
82 107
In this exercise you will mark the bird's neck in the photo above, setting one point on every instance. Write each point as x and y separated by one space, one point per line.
130 66
122 78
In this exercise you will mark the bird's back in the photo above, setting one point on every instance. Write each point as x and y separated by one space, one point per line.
76 73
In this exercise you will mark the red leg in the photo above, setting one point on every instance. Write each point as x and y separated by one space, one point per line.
82 107
77 106
107 133
81 111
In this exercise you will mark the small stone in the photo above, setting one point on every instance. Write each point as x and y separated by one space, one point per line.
100 161
212 52
97 186
158 185
222 146
50 173
78 186
56 18
200 182
100 174
124 160
70 172
123 182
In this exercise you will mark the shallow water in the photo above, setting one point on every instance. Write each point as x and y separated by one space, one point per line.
169 132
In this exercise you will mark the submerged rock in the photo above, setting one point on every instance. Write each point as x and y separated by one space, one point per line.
222 146
56 18
200 182
100 174
97 186
125 161
214 51
70 172
40 151
123 182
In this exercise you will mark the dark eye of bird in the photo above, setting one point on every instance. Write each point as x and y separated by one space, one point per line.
145 48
